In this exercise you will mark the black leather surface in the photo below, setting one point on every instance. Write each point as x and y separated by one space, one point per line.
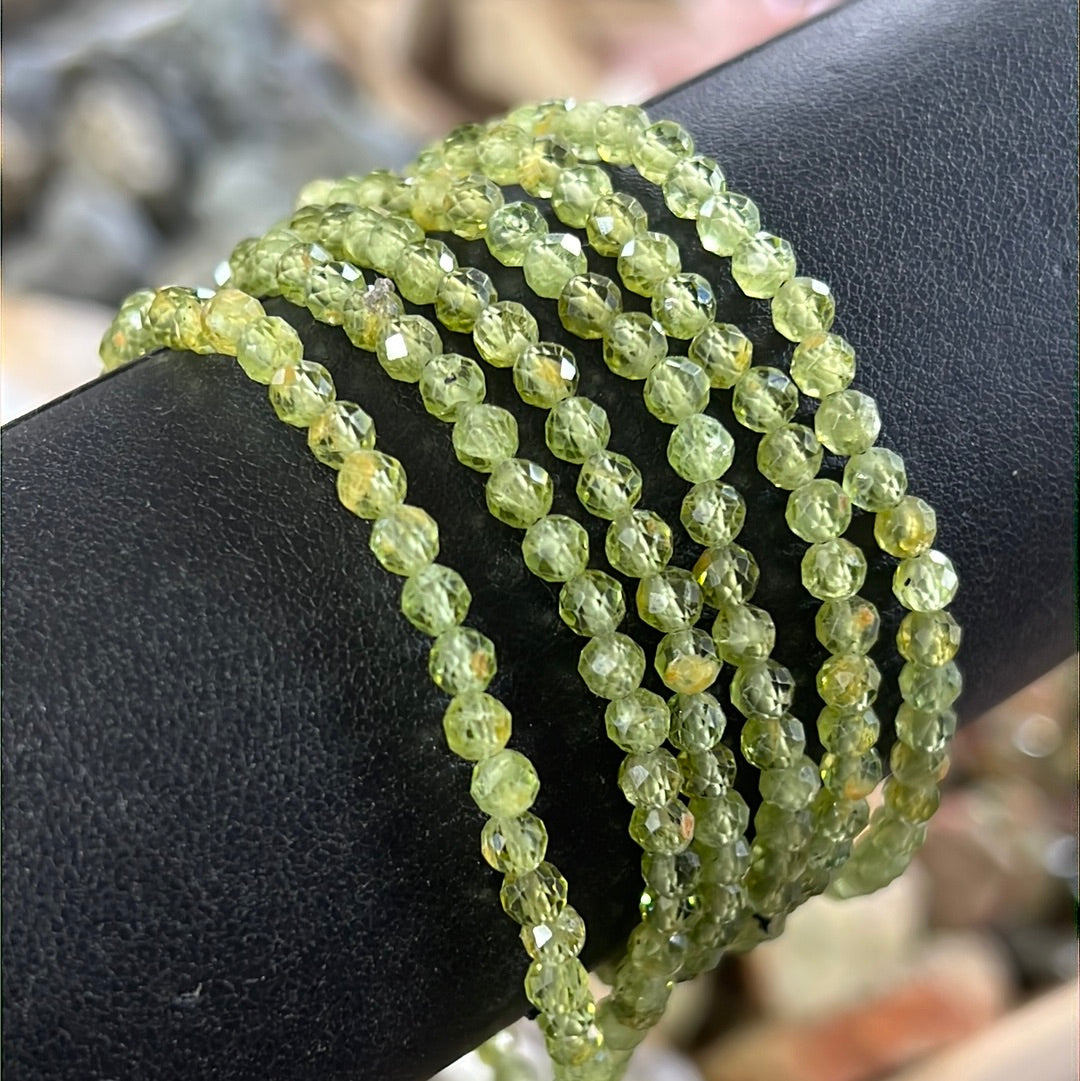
234 846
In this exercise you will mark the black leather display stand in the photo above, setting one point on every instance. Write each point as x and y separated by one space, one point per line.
234 845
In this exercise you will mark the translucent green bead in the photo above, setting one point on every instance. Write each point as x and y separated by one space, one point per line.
476 725
723 351
294 271
906 530
555 548
459 148
713 513
532 897
638 543
791 787
728 575
846 731
314 193
789 456
382 188
649 777
646 260
683 305
261 268
668 828
576 191
847 422
743 633
818 510
634 344
330 287
129 335
300 392
875 479
661 146
612 665
265 345
930 689
544 160
557 986
545 374
700 448
617 130
501 151
510 231
551 260
577 127
461 296
406 344
925 730
697 721
576 428
514 844
435 599
686 661
504 784
928 638
823 364
849 681
926 582
588 305
368 312
371 483
849 776
555 939
462 660
675 389
833 568
725 220
912 802
762 689
572 1040
519 492
405 539
592 604
847 624
420 269
377 239
608 484
763 399
914 765
226 315
772 742
761 263
801 307
484 435
613 221
639 722
470 204
690 183
449 383
669 600
503 331
174 318
720 820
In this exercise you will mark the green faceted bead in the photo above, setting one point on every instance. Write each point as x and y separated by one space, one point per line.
823 364
638 543
912 803
557 986
588 305
697 721
639 722
928 638
462 660
649 777
847 624
504 784
314 193
833 568
476 726
684 305
435 599
634 344
174 318
544 160
576 191
720 820
421 268
618 128
925 730
461 296
470 204
516 844
676 389
545 374
914 765
240 264
690 183
665 829
661 146
925 582
930 689
484 435
728 575
669 600
818 510
555 548
801 307
371 483
700 448
743 633
405 345
761 263
762 689
339 221
846 731
772 742
725 220
501 151
686 661
847 422
577 127
764 399
459 148
851 777
573 1041
875 479
226 315
713 513
368 312
723 351
646 260
265 345
613 221
519 492
377 239
592 604
608 484
532 897
906 530
789 456
791 787
849 681
576 428
449 383
261 269
503 331
330 286
510 231
405 540
612 665
551 260
300 392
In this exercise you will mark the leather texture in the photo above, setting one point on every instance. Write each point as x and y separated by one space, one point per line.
234 845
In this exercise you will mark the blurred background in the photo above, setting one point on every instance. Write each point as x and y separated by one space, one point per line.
142 138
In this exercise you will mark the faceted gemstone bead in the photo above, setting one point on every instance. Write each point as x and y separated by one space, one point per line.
551 260
763 399
476 725
725 220
762 689
791 787
461 296
577 127
544 160
646 260
405 345
405 540
911 802
612 665
555 548
801 307
368 312
265 345
592 604
376 239
846 731
638 543
818 510
449 383
617 130
697 721
300 392
728 575
930 689
675 389
435 599
914 765
684 305
238 271
700 448
928 638
669 600
668 828
638 722
634 344
588 305
459 148
471 202
572 1040
505 783
772 742
226 315
514 844
608 484
761 263
743 633
690 183
613 221
576 191
686 661
462 660
484 435
576 428
314 193
847 625
261 267
545 374
503 331
847 422
789 456
501 151
713 513
851 776
371 483
420 269
925 730
519 492
510 231
330 286
128 335
335 221
925 582
557 986
649 777
719 820
833 568
849 681
875 479
823 364
906 530
723 351
175 319
661 146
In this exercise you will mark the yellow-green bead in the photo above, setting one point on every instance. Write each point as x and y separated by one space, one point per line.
742 633
614 220
557 986
484 435
801 307
459 148
928 638
470 204
675 389
833 568
612 665
405 539
504 784
577 127
386 240
555 548
592 604
875 479
686 660
435 599
341 429
261 268
762 689
761 263
576 191
648 778
638 722
638 542
847 731
336 220
926 582
368 312
793 787
928 689
700 448
174 318
633 345
449 383
511 229
519 492
265 345
371 483
129 335
476 726
728 575
684 305
405 345
697 721
588 305
847 422
772 742
789 456
461 296
503 331
617 130
822 364
226 315
531 897
463 660
330 286
847 624
912 802
723 351
514 844
294 271
848 681
544 160
906 530
500 152
300 392
925 730
667 828
421 268
545 374
915 764
661 146
555 939
314 193
851 777
713 513
763 399
646 260
725 220
551 261
818 510
576 428
608 484
690 183
669 599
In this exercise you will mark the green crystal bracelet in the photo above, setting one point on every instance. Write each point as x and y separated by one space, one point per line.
712 880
